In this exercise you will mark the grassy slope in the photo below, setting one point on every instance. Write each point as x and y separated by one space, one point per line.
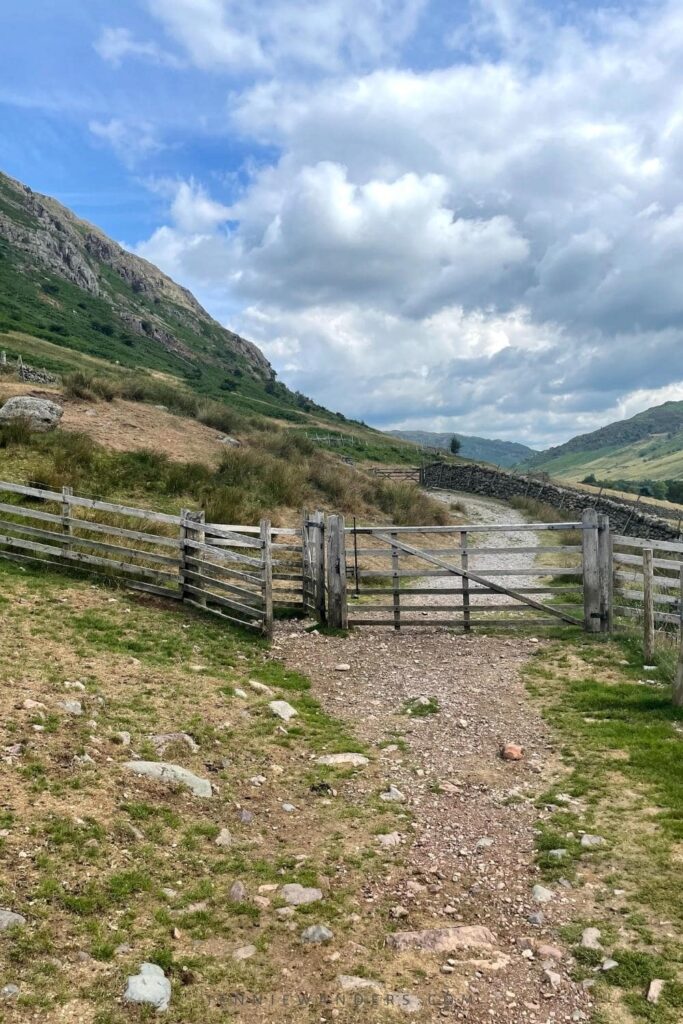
658 458
622 749
88 850
648 445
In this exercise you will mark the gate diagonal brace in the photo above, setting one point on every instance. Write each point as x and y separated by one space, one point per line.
475 578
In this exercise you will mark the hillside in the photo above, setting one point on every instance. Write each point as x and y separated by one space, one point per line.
72 301
481 449
645 448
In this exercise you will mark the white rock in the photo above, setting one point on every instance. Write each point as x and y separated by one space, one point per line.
244 952
224 838
150 986
591 842
317 933
590 939
342 667
392 795
282 709
298 896
609 965
542 895
259 687
655 990
355 760
8 919
389 839
172 775
72 707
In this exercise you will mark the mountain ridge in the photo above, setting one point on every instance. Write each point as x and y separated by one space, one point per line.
500 453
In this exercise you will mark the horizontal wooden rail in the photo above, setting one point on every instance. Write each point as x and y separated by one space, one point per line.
493 528
639 542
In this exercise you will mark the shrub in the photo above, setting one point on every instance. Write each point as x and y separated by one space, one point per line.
220 417
15 432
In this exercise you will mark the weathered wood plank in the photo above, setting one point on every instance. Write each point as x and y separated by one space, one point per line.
487 623
129 584
469 527
77 556
221 615
658 563
496 587
225 570
226 602
73 541
251 597
639 542
123 510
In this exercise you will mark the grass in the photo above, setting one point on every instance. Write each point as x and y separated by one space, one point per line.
123 870
621 744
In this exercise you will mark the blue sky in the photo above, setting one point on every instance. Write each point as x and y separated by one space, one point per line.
470 212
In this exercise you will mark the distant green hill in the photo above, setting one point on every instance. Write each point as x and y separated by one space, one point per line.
482 449
634 453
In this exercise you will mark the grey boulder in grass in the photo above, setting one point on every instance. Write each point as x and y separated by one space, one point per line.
40 413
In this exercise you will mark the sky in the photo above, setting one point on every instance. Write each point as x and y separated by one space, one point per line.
429 214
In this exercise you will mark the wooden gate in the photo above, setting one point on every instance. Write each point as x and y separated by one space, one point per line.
440 575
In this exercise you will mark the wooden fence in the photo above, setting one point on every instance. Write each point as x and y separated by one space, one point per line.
231 571
439 575
648 582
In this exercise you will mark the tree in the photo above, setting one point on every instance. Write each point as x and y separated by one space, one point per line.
455 445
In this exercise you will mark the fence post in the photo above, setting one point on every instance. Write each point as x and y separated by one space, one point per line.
605 568
648 606
183 553
464 564
678 680
190 520
267 577
591 571
66 515
396 581
337 608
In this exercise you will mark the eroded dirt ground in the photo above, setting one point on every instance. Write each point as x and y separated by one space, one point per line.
470 815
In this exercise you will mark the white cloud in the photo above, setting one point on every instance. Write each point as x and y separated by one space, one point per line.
115 44
130 140
494 245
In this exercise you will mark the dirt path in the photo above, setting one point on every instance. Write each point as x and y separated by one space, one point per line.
469 848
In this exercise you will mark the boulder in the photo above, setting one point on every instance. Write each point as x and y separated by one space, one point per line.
39 413
317 933
171 774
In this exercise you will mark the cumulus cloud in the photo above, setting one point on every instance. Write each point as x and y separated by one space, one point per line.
494 241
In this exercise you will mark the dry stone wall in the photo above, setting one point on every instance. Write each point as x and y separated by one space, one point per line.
625 517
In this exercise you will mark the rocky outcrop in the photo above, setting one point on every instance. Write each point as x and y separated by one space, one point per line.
43 232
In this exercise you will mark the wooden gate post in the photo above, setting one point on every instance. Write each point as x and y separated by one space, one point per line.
66 515
337 607
313 559
318 547
678 679
189 523
648 606
606 573
267 576
464 563
591 571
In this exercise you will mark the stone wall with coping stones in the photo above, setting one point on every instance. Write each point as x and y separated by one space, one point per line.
625 517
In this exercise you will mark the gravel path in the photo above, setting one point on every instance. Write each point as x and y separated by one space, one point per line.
469 848
482 512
